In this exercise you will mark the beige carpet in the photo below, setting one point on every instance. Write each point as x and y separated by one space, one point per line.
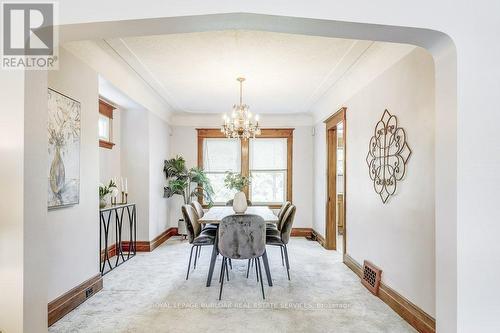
150 294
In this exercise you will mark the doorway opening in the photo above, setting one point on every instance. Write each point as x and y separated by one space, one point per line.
336 182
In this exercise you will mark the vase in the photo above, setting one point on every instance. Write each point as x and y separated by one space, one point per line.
57 173
102 202
239 203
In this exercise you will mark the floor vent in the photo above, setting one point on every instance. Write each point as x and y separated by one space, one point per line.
371 277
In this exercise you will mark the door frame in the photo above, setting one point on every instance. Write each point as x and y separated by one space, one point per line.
331 181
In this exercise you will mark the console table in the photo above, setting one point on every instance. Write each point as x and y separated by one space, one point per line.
124 250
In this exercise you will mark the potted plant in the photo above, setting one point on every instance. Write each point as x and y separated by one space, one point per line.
188 183
104 191
235 181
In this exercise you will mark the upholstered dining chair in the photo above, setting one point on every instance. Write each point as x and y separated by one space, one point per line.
242 237
283 238
200 212
196 236
230 203
274 228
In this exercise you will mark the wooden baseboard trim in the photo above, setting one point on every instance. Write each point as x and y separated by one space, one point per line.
415 316
67 302
319 238
301 232
111 252
148 246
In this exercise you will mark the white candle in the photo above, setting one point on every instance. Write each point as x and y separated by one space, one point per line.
126 186
121 183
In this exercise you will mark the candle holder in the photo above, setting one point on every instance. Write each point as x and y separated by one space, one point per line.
123 198
113 201
126 197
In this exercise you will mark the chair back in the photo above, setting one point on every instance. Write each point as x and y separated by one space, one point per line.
198 208
193 226
286 227
230 203
242 236
281 212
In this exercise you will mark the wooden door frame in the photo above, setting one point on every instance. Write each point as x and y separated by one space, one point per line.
331 207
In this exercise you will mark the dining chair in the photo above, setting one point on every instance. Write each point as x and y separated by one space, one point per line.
230 203
200 212
242 237
273 228
196 236
283 238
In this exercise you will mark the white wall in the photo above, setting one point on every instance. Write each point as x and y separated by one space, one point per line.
185 143
397 236
135 164
73 232
110 159
159 146
145 145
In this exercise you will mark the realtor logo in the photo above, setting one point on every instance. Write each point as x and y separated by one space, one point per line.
28 35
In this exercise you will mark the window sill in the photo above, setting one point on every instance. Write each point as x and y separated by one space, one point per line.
106 144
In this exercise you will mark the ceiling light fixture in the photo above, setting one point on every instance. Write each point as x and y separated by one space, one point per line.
240 124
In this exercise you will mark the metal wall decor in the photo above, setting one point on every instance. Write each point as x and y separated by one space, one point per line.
388 156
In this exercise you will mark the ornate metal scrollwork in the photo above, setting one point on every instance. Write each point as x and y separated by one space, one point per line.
388 156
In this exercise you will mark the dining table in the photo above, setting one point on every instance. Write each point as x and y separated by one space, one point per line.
215 215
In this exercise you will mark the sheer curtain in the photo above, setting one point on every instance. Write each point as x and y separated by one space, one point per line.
219 156
268 168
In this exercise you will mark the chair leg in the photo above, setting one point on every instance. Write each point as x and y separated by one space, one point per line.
261 280
222 274
287 262
230 264
248 267
195 257
189 264
227 270
282 260
256 269
199 252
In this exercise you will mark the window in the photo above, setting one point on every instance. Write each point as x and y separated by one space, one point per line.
219 156
268 159
105 125
268 168
104 128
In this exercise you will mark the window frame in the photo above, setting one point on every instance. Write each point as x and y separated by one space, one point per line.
286 133
106 110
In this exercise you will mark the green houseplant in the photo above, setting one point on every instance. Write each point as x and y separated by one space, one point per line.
104 191
187 183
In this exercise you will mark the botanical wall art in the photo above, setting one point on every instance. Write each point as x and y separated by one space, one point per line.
63 149
388 156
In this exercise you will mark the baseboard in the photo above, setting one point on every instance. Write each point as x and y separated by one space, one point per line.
67 302
111 252
415 316
319 238
301 232
148 246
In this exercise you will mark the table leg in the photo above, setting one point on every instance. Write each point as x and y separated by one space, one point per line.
268 271
213 259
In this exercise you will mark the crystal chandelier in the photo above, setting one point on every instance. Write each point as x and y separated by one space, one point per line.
240 124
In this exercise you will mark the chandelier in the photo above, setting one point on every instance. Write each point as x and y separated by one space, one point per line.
240 124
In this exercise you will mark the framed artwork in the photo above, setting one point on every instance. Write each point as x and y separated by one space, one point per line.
64 150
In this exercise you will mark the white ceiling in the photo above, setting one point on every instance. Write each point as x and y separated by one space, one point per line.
196 72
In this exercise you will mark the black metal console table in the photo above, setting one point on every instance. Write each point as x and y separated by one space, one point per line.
124 249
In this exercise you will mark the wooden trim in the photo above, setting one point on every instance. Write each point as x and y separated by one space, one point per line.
106 109
111 252
411 313
301 232
148 246
331 150
67 302
319 238
106 144
245 165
